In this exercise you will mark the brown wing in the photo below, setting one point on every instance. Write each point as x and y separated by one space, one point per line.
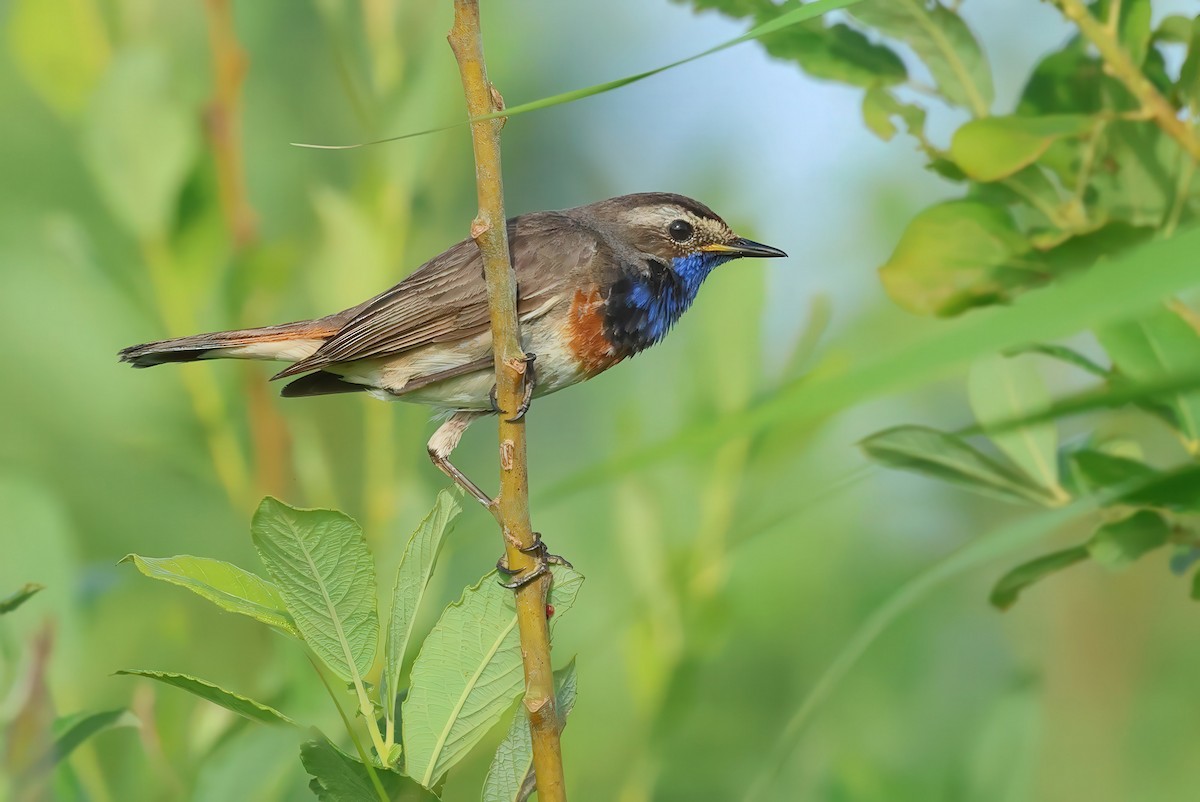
446 300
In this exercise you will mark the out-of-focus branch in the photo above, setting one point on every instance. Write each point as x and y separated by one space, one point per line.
1121 66
223 122
223 125
490 233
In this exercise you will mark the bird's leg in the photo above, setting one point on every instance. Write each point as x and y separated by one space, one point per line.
442 445
543 560
529 383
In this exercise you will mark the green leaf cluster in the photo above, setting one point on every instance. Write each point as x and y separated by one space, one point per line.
1144 508
322 592
1075 172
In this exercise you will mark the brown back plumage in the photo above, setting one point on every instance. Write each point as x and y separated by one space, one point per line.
446 298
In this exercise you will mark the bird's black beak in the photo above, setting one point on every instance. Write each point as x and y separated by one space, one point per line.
743 247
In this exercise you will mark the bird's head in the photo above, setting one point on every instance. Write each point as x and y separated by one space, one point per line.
681 233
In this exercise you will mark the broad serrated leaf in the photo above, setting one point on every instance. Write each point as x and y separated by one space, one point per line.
948 457
139 141
956 255
997 147
942 40
24 594
467 674
224 584
1119 543
1155 346
416 566
243 706
71 731
337 777
509 776
326 577
1003 389
1010 586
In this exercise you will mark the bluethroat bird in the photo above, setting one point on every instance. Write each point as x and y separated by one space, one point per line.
596 284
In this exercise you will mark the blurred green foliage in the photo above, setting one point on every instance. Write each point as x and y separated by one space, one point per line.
764 615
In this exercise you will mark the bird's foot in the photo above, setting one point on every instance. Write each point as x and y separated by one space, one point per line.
529 379
543 559
529 382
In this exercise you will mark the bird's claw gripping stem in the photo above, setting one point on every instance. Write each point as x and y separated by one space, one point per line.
529 382
543 560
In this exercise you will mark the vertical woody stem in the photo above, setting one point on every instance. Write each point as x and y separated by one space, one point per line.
490 233
223 121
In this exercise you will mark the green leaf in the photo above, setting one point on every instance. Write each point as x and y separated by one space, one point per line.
326 577
12 602
139 141
1137 182
1010 586
1177 489
1188 85
880 106
947 457
1067 81
467 674
1103 471
255 711
224 584
996 147
1133 30
337 777
509 778
1085 249
953 256
1004 389
1122 542
416 566
1153 346
1175 29
942 40
783 21
1063 354
838 53
60 48
71 731
1196 586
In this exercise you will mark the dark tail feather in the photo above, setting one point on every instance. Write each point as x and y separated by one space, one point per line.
211 346
320 383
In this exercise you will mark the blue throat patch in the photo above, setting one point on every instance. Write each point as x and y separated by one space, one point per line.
642 310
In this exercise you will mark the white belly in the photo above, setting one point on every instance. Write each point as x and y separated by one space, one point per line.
554 369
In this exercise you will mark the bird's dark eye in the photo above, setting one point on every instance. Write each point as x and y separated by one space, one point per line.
680 230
